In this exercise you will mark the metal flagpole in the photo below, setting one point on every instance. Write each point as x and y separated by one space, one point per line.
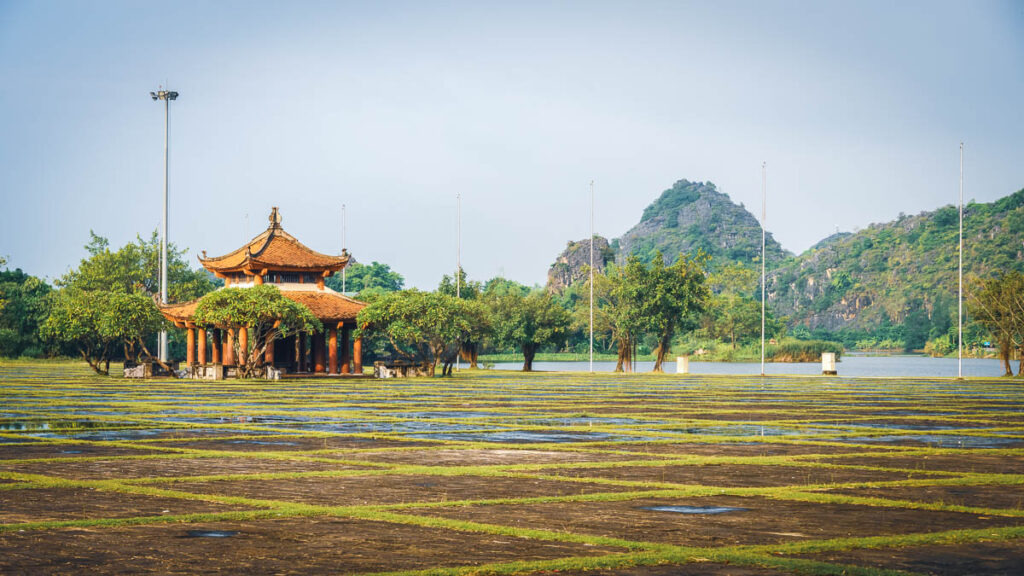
764 201
591 275
344 244
960 271
458 267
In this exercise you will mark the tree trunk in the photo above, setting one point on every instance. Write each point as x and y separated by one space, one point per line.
529 351
663 348
95 365
625 355
148 356
1004 355
468 352
633 356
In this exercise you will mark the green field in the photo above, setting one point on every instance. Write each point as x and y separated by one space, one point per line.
503 472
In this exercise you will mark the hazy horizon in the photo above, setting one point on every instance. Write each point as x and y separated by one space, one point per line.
394 108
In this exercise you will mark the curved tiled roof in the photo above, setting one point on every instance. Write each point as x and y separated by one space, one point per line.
179 312
277 250
326 304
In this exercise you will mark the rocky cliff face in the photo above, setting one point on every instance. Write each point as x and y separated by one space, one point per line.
571 265
695 215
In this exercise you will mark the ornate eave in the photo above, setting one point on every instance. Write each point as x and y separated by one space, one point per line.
274 250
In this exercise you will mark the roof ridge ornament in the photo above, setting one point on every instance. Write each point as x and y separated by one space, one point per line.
275 218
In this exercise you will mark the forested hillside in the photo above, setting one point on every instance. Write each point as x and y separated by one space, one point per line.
901 273
891 285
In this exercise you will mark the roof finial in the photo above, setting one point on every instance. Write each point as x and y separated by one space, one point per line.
275 218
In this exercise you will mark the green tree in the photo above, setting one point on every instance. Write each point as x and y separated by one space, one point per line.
24 305
616 319
370 278
263 312
666 298
466 290
499 286
424 327
732 311
476 328
528 322
998 304
97 322
136 267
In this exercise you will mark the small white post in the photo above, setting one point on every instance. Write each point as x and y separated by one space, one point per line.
682 364
828 363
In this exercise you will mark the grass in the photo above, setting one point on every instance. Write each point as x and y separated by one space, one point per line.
168 439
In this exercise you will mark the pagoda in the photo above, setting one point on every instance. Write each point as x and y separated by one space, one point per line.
277 258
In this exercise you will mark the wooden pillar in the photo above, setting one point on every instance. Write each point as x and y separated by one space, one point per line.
319 364
303 365
357 353
190 346
332 351
216 346
202 346
243 345
346 357
268 355
229 348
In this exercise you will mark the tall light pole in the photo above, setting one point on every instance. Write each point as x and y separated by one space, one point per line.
591 275
764 202
960 273
166 96
344 243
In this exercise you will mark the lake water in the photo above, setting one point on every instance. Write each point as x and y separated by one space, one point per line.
852 366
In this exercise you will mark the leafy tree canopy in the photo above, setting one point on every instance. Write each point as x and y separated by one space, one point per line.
262 311
420 326
466 289
374 277
528 322
24 306
97 322
998 304
136 267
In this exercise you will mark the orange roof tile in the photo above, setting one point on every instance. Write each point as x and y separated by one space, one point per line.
274 249
179 312
328 306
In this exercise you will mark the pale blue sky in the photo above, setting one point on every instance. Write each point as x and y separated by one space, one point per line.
395 107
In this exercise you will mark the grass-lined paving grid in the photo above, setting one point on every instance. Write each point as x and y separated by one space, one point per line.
499 472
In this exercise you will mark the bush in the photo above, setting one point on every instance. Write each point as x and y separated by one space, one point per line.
802 350
941 346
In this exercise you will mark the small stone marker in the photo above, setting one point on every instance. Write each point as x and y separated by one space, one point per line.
682 364
828 364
